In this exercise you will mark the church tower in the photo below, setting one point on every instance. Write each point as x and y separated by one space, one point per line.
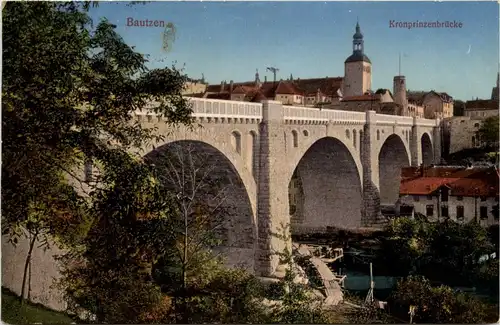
494 92
399 93
358 68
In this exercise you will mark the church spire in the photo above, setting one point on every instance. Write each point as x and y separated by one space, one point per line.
357 41
257 78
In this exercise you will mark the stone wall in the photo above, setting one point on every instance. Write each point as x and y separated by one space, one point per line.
337 159
462 131
480 113
44 272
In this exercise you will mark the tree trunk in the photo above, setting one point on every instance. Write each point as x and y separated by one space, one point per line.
184 271
29 281
26 264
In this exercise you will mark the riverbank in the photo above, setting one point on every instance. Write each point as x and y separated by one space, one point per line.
29 313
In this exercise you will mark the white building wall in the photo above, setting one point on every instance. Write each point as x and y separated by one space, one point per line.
420 202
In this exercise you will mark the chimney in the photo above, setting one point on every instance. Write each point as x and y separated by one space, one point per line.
265 78
231 86
222 86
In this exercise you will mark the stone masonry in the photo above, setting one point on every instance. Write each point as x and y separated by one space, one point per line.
340 157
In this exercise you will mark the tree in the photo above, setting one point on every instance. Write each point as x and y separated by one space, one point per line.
435 304
406 244
458 107
297 304
67 92
488 132
162 235
190 174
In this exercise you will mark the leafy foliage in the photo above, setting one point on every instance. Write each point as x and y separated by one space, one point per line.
445 251
458 107
298 304
488 132
436 304
67 94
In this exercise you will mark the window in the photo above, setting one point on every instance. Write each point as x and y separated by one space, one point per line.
295 137
483 198
444 212
483 212
496 198
444 194
429 197
429 210
460 212
416 198
494 212
460 198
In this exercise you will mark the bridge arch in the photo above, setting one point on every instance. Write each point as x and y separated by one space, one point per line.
322 179
225 182
393 156
427 149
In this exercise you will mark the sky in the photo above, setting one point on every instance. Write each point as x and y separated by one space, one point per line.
230 40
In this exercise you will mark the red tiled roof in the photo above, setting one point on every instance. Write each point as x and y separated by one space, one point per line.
258 97
222 96
362 98
327 87
462 181
415 97
288 88
443 96
197 95
239 90
481 104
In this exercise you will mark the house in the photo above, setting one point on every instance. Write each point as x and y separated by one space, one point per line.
461 194
301 92
481 108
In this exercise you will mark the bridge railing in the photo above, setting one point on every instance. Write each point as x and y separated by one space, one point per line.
203 107
315 114
427 122
225 108
394 119
217 108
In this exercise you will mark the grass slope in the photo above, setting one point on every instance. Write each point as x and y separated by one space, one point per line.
13 313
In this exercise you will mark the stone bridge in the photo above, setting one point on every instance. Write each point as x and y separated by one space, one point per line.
345 163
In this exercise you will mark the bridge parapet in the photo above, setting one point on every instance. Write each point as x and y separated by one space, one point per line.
217 110
426 122
225 109
310 115
245 112
383 119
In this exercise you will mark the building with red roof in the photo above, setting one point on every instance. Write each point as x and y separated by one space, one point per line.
351 92
461 194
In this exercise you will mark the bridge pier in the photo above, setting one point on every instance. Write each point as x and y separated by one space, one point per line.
415 147
272 200
371 195
437 139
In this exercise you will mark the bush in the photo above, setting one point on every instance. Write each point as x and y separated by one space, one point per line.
435 304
